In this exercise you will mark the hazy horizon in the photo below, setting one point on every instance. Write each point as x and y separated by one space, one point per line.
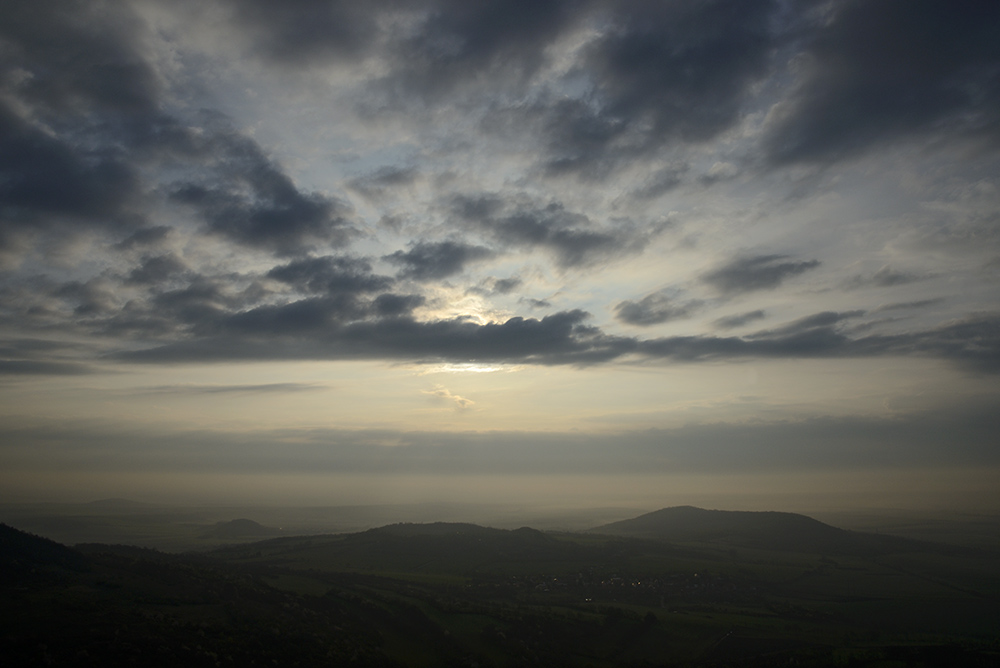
565 254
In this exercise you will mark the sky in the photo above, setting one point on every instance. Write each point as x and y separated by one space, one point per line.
738 253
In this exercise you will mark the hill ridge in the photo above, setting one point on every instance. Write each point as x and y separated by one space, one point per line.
765 529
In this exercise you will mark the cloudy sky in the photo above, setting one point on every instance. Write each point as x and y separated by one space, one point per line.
546 251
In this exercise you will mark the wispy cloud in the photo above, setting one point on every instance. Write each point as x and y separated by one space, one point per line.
440 392
739 319
885 277
655 308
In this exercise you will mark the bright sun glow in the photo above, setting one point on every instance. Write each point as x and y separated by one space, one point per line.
466 368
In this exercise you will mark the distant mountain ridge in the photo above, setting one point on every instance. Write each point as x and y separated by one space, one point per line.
770 530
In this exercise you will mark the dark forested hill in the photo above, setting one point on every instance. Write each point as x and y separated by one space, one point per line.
443 548
764 530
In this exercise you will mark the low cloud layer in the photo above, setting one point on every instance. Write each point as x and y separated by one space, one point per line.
828 443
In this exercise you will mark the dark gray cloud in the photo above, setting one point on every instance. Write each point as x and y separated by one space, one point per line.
660 72
572 237
560 338
497 286
72 81
431 46
93 297
346 326
82 116
166 312
377 184
739 319
759 272
434 260
350 314
817 335
298 31
153 322
653 74
655 308
499 41
816 321
246 197
156 269
536 303
330 328
74 55
650 74
208 308
148 236
46 179
392 305
887 70
311 317
884 277
972 343
900 306
331 274
505 286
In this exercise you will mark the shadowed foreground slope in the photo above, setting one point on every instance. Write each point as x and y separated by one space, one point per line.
102 605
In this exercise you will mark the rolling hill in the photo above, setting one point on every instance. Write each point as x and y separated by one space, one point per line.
786 532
